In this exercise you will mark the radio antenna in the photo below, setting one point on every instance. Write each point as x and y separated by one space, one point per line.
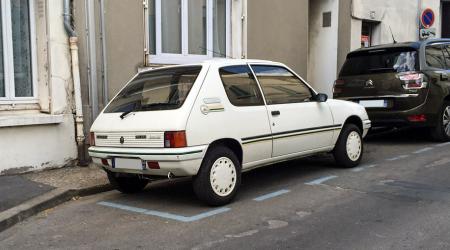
392 34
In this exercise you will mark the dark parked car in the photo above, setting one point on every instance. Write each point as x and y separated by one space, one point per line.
402 84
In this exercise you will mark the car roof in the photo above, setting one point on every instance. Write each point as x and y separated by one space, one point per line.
413 45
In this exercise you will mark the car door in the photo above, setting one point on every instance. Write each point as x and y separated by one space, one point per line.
299 124
246 104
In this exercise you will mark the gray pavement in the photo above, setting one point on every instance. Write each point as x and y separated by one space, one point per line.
397 199
15 190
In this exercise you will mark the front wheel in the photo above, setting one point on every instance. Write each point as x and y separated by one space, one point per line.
127 184
442 130
349 147
219 177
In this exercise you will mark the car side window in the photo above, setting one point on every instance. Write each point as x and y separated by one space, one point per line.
241 86
280 86
435 57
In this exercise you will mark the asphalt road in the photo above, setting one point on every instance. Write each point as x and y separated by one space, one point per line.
398 199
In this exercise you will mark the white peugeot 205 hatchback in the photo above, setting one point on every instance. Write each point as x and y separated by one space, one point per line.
215 120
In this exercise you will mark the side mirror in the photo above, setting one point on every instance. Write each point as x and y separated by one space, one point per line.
321 97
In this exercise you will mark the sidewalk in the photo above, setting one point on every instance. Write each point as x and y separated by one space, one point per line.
25 195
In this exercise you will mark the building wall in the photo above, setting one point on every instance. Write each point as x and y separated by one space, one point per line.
43 135
124 40
323 52
402 16
279 32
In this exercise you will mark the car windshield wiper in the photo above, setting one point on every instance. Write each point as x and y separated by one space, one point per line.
129 111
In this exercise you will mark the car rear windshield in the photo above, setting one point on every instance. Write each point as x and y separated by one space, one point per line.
161 89
381 61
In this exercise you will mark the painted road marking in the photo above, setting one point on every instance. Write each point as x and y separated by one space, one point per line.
165 215
362 168
271 195
398 158
443 144
321 180
423 150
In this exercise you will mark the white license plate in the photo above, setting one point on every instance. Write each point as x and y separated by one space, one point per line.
125 163
374 103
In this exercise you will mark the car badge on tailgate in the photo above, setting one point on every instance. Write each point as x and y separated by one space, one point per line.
122 140
369 84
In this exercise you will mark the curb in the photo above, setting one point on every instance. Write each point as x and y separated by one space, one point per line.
43 202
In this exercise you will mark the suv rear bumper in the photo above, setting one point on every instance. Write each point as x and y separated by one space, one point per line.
178 161
388 118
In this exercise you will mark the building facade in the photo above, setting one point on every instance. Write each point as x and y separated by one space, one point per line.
36 90
118 38
340 26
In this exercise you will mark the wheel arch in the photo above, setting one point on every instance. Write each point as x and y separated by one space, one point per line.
355 120
230 143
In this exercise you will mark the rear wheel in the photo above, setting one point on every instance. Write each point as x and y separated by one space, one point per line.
442 130
219 177
128 184
349 147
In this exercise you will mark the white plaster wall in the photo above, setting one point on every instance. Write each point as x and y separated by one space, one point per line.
35 147
401 15
30 148
323 43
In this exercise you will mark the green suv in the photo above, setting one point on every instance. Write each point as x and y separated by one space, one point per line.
402 84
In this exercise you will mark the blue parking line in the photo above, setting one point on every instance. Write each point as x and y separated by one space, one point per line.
321 180
165 215
362 168
271 195
443 144
398 158
423 150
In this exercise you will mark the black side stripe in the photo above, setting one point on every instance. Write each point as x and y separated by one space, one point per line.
286 133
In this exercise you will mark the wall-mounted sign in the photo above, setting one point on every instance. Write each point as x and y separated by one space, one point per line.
427 33
427 18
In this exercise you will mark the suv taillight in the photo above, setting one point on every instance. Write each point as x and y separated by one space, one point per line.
336 86
92 139
175 139
412 80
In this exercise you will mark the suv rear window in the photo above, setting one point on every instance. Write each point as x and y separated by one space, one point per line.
162 89
380 61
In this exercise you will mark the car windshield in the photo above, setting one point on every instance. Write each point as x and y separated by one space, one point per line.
162 89
381 61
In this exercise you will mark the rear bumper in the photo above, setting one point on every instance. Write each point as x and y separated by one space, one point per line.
389 118
180 161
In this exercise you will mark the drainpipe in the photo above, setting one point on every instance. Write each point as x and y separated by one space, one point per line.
73 40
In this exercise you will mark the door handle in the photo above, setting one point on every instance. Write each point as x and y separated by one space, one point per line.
276 113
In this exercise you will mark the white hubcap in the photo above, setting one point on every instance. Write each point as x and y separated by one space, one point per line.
354 146
446 121
223 176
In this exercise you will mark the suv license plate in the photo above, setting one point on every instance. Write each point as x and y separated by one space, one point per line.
374 103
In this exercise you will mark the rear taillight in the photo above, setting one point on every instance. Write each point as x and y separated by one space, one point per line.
417 118
92 139
412 80
337 85
176 139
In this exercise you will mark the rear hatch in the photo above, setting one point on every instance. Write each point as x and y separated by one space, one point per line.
150 107
382 79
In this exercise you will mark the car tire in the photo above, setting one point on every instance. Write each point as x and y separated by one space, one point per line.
349 148
128 184
219 177
441 132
